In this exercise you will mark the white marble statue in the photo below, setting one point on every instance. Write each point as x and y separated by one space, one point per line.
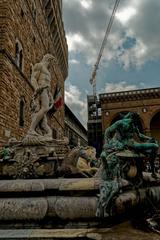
42 100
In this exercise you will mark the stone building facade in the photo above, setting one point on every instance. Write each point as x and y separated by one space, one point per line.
28 30
74 130
146 102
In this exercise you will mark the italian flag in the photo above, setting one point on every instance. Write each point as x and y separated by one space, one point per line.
57 99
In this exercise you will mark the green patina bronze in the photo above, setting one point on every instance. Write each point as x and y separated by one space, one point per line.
123 143
5 153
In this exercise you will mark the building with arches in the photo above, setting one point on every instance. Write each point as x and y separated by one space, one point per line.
28 30
145 102
110 107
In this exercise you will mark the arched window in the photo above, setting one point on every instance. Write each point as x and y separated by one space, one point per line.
54 133
30 71
155 126
34 10
20 58
60 5
22 13
19 54
21 112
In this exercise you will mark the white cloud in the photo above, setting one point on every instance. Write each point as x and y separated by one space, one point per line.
134 56
126 14
87 4
74 61
118 87
138 19
74 100
76 42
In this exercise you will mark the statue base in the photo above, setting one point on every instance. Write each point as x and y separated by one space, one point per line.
51 201
33 161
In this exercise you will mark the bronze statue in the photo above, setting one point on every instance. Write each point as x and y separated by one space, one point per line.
121 137
124 135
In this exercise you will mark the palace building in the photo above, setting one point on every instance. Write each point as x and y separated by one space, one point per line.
74 130
28 30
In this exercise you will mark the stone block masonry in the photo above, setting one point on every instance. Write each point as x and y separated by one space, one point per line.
25 36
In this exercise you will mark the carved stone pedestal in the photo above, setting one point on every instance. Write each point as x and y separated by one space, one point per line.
62 199
33 161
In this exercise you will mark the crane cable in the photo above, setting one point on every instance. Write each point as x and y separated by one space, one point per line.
93 78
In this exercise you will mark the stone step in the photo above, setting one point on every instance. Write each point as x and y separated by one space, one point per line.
44 234
120 231
41 185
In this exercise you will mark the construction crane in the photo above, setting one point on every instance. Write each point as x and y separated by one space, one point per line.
94 72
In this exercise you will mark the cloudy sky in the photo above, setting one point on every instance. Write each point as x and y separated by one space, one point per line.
131 59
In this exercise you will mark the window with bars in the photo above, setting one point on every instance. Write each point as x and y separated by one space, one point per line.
21 112
54 133
34 10
19 54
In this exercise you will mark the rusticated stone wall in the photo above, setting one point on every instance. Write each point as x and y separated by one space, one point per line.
26 22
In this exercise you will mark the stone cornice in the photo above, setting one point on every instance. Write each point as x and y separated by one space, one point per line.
132 95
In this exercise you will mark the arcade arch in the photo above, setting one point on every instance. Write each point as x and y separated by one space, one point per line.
155 126
120 115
